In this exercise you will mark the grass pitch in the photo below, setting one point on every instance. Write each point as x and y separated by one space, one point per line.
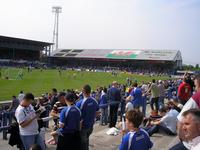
39 82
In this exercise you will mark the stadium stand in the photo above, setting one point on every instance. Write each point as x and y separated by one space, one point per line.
162 60
22 49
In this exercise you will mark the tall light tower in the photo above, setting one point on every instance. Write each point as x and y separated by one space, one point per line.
57 10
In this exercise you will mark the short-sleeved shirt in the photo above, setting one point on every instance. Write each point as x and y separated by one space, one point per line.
136 141
136 93
161 90
88 107
170 120
144 87
70 116
154 90
25 113
184 91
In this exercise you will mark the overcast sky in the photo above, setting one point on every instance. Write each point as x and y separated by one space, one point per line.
112 24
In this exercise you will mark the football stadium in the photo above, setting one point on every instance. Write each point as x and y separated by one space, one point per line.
114 75
23 50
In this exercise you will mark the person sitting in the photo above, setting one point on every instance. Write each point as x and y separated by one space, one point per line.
136 138
167 123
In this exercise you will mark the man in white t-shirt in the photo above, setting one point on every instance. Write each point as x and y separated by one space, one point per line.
167 123
28 125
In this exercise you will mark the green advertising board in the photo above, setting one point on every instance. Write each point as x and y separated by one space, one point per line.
123 54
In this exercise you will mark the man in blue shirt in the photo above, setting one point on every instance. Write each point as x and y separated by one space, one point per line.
136 138
136 94
89 108
114 98
69 131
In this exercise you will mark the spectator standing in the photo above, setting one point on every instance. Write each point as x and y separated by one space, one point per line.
184 92
14 104
21 96
89 108
114 98
154 95
69 124
28 125
136 96
54 97
103 105
11 110
161 94
57 107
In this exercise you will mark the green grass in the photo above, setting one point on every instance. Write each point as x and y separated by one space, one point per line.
39 82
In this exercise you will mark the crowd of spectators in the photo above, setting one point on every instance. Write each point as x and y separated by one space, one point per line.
174 106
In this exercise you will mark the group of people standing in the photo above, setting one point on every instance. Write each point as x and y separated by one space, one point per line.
76 121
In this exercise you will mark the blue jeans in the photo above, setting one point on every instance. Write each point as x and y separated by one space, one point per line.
161 101
29 140
156 128
144 105
104 116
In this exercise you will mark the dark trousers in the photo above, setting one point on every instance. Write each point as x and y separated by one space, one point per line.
70 141
156 128
85 135
156 102
113 115
178 146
